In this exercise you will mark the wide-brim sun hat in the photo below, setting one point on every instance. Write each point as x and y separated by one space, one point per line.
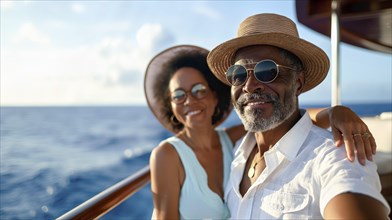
155 71
274 30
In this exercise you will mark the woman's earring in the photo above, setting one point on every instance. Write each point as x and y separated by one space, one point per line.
174 120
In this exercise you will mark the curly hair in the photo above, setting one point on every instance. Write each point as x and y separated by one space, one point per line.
197 60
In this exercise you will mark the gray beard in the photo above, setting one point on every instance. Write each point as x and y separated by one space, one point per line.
253 119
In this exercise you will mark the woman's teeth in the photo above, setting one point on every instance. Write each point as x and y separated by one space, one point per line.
193 112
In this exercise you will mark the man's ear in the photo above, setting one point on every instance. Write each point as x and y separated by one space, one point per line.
300 83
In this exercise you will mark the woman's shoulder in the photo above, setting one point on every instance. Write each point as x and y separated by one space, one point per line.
165 163
164 152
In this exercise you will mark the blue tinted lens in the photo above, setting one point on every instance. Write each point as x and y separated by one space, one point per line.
199 91
236 75
178 96
266 71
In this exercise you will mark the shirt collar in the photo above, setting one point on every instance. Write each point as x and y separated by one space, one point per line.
245 148
288 145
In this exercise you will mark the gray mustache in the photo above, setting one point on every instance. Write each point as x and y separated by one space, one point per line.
256 95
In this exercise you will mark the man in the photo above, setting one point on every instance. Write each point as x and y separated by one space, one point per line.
286 167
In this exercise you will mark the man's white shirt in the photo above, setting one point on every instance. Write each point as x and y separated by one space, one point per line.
304 171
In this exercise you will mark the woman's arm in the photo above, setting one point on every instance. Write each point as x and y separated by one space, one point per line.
236 132
165 182
346 127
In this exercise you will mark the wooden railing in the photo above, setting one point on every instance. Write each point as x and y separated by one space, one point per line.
109 198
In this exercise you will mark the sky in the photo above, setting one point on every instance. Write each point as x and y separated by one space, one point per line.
65 53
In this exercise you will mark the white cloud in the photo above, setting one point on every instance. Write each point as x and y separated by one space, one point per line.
107 26
10 4
56 24
6 4
108 72
29 32
70 90
126 62
153 36
65 77
77 8
206 11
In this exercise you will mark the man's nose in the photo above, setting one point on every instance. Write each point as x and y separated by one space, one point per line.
251 83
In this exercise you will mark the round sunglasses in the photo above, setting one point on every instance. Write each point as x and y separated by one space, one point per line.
265 71
198 91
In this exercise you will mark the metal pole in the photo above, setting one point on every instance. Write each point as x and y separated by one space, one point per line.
335 41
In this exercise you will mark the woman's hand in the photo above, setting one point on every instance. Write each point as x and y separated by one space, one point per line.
347 127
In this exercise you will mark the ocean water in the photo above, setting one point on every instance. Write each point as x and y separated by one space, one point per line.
54 158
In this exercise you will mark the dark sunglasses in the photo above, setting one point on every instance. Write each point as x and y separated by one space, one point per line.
265 71
198 91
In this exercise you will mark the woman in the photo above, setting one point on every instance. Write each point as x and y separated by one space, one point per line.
189 170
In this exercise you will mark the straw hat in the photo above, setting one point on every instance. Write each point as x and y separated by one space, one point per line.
157 73
274 30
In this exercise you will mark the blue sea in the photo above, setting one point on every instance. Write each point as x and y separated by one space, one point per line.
55 158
